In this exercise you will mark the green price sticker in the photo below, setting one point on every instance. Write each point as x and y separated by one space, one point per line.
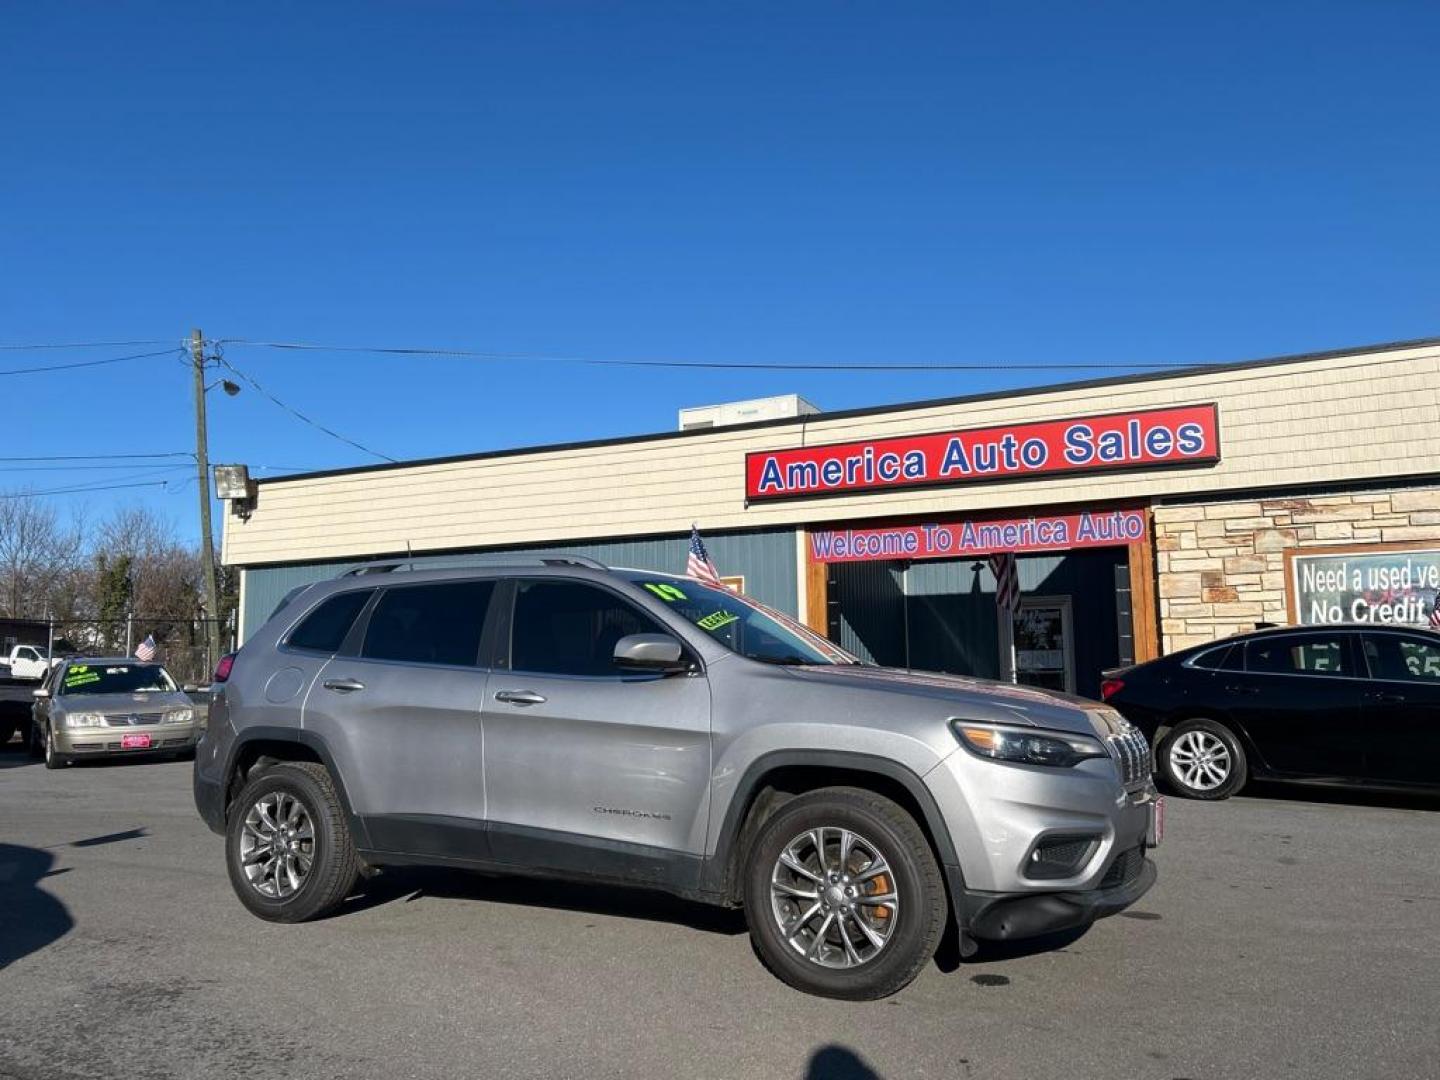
717 620
665 591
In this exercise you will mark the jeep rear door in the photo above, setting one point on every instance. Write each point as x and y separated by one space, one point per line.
401 716
590 768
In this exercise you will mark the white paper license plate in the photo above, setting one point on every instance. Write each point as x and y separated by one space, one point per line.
1155 832
134 742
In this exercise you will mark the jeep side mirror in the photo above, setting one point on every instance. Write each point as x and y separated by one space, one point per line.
42 693
650 652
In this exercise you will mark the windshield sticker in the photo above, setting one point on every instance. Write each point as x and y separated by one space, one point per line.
716 620
665 591
80 675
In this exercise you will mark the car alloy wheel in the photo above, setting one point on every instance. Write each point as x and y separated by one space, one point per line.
832 894
1200 760
277 845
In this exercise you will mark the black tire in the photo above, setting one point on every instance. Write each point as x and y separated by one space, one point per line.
334 866
920 890
34 741
1178 748
53 760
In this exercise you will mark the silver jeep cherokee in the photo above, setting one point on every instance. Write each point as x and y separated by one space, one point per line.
566 719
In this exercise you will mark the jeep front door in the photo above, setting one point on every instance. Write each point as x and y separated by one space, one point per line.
589 767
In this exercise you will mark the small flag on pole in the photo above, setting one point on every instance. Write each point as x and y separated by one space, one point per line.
1435 613
1007 581
146 649
697 562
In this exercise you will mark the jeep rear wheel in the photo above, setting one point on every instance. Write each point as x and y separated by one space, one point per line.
288 845
843 895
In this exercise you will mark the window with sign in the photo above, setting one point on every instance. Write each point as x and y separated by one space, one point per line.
1299 654
1402 658
742 625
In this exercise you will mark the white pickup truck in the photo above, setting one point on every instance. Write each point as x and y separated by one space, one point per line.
29 662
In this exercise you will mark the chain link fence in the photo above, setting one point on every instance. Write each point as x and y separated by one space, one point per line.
182 645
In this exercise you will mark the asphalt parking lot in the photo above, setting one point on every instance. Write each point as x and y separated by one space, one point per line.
1287 937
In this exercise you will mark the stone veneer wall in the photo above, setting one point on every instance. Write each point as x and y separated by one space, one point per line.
1221 566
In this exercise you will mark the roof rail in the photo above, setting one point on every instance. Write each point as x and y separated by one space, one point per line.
487 559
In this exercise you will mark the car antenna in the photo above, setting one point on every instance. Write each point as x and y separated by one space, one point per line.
410 554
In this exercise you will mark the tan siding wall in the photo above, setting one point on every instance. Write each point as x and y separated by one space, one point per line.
1343 418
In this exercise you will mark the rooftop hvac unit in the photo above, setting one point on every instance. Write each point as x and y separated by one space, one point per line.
784 407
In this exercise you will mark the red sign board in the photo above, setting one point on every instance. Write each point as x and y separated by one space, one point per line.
1156 437
970 538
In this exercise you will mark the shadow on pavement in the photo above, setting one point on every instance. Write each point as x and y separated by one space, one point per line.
111 838
15 753
835 1062
948 959
1273 791
412 883
32 918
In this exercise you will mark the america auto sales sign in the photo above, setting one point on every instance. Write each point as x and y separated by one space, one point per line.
1187 435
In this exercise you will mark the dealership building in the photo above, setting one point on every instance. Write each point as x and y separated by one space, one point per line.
1146 513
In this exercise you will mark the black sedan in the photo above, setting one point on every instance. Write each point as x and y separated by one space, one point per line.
1352 705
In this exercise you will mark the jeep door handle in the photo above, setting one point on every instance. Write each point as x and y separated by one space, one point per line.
520 697
1386 697
1242 689
344 686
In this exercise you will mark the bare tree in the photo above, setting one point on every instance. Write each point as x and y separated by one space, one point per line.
37 555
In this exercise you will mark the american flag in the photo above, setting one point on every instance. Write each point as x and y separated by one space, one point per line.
1007 581
146 649
697 562
1435 613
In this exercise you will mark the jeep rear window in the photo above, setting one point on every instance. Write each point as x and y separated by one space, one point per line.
325 628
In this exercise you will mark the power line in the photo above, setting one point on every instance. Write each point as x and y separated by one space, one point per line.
99 457
726 365
89 467
83 345
84 363
120 485
301 416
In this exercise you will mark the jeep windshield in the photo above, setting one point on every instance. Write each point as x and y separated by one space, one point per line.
742 625
115 679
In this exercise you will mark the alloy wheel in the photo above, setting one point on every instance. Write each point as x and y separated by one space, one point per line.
834 897
277 845
1200 760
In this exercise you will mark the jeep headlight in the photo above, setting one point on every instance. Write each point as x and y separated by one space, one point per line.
84 719
1026 745
180 716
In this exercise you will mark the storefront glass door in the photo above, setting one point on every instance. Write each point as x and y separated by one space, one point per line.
1039 648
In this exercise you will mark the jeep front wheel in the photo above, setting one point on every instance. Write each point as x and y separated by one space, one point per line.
288 846
843 895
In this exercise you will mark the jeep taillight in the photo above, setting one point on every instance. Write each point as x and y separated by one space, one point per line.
1110 687
222 669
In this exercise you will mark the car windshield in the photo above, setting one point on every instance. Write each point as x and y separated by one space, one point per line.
742 625
115 679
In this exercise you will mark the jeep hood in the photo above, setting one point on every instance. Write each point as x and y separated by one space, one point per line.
965 696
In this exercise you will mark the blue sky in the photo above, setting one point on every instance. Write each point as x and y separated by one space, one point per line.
881 183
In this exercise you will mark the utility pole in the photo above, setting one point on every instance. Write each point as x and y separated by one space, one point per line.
202 465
